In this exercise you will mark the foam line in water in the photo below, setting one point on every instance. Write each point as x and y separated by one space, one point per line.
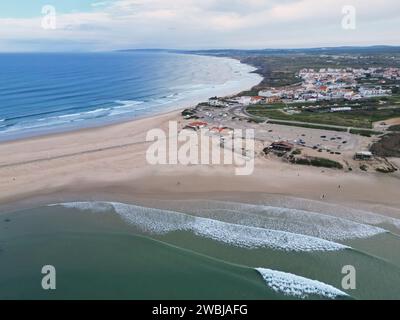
299 287
357 215
158 221
309 223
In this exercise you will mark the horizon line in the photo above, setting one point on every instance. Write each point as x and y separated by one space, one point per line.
377 46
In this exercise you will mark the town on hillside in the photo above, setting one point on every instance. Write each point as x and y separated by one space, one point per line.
342 118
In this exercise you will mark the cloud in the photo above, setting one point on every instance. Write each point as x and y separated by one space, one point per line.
212 23
100 4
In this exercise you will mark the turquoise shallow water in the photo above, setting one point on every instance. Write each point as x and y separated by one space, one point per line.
98 254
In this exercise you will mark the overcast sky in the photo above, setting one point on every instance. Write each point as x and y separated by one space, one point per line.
90 25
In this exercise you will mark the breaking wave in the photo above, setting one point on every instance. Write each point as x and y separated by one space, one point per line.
31 122
356 215
311 223
158 221
299 287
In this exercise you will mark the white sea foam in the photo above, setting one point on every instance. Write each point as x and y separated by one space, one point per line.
158 221
65 119
356 215
98 110
70 115
278 218
87 206
128 106
127 103
22 126
299 287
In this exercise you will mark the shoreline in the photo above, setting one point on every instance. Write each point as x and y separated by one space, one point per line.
229 88
91 128
107 163
168 112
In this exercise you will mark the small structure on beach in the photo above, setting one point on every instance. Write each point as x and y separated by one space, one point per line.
282 146
220 129
363 155
196 125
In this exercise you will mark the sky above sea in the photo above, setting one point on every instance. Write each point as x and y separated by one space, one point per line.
90 25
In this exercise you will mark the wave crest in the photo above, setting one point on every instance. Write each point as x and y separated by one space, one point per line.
158 221
299 287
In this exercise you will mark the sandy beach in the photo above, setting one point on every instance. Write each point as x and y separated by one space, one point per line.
109 164
199 151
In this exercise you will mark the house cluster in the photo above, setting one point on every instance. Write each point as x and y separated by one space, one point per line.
331 84
389 73
199 125
323 85
217 102
234 101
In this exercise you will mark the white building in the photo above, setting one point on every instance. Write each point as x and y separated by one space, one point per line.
339 109
374 92
270 93
216 102
245 100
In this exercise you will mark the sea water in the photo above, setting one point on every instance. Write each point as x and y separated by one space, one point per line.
212 250
43 92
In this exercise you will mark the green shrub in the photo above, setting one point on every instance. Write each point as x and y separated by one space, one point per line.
365 133
385 170
296 152
395 128
318 162
306 125
187 112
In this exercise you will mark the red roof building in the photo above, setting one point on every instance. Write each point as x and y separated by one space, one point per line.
196 125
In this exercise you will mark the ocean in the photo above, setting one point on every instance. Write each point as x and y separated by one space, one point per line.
198 250
42 92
